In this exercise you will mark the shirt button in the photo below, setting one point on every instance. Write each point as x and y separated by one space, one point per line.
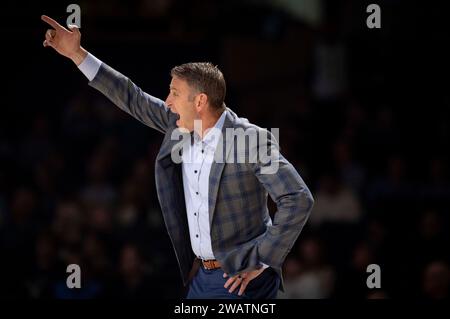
196 193
195 214
196 235
195 171
203 151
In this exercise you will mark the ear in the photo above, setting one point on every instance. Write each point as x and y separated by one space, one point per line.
201 101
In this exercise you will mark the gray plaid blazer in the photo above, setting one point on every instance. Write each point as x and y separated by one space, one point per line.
242 233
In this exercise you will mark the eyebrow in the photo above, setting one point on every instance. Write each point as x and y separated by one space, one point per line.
172 88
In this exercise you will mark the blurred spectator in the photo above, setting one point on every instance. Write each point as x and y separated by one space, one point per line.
45 271
330 80
37 145
436 280
310 277
98 190
90 287
429 242
353 282
68 224
382 134
391 189
433 237
133 281
335 203
437 186
351 172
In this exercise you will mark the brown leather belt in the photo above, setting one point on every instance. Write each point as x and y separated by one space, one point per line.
211 264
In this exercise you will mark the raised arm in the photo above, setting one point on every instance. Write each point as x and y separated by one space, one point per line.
118 88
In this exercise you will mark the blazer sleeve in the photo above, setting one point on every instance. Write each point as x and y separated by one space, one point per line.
130 98
293 199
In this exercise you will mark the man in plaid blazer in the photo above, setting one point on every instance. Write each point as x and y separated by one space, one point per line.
212 189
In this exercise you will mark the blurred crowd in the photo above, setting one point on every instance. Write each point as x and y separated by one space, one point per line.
77 179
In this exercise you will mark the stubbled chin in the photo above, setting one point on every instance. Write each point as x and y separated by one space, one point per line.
180 125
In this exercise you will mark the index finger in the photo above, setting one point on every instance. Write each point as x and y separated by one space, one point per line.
52 22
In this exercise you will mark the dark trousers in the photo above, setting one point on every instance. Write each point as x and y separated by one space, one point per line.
208 284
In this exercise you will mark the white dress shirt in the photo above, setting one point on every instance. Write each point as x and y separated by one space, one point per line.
197 160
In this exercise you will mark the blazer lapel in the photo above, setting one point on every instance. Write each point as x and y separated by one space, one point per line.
173 145
223 150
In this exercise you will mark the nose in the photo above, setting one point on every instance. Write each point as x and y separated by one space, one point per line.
168 102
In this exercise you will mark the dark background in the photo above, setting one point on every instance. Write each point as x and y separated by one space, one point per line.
363 116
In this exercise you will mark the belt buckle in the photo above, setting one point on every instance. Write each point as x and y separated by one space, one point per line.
208 264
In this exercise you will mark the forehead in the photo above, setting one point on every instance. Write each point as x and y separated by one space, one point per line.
179 84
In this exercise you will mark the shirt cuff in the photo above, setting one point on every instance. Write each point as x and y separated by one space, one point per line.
90 66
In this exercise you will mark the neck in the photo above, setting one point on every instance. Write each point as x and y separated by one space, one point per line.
209 120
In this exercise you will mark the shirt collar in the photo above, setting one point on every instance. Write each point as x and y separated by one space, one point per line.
212 136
